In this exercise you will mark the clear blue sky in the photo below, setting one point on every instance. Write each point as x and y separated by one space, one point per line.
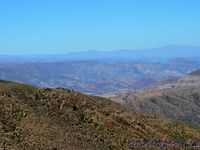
61 26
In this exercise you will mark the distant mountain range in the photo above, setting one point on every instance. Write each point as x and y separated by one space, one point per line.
154 55
96 77
178 99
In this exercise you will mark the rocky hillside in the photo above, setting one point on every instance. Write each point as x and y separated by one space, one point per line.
190 80
57 119
177 99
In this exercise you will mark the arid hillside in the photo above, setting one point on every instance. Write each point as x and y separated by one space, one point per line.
176 99
57 119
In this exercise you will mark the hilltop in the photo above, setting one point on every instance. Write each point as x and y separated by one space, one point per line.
195 73
43 118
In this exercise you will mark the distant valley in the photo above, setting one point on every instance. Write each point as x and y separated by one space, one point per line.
96 77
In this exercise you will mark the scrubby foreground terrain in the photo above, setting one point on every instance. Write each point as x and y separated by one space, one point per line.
38 118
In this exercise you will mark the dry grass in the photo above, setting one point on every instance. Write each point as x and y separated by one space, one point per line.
33 118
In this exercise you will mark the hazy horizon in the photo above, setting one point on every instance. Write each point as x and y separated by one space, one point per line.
94 50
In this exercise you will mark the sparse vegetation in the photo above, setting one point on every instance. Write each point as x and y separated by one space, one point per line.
43 118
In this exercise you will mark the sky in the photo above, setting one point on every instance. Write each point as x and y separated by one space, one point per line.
62 26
